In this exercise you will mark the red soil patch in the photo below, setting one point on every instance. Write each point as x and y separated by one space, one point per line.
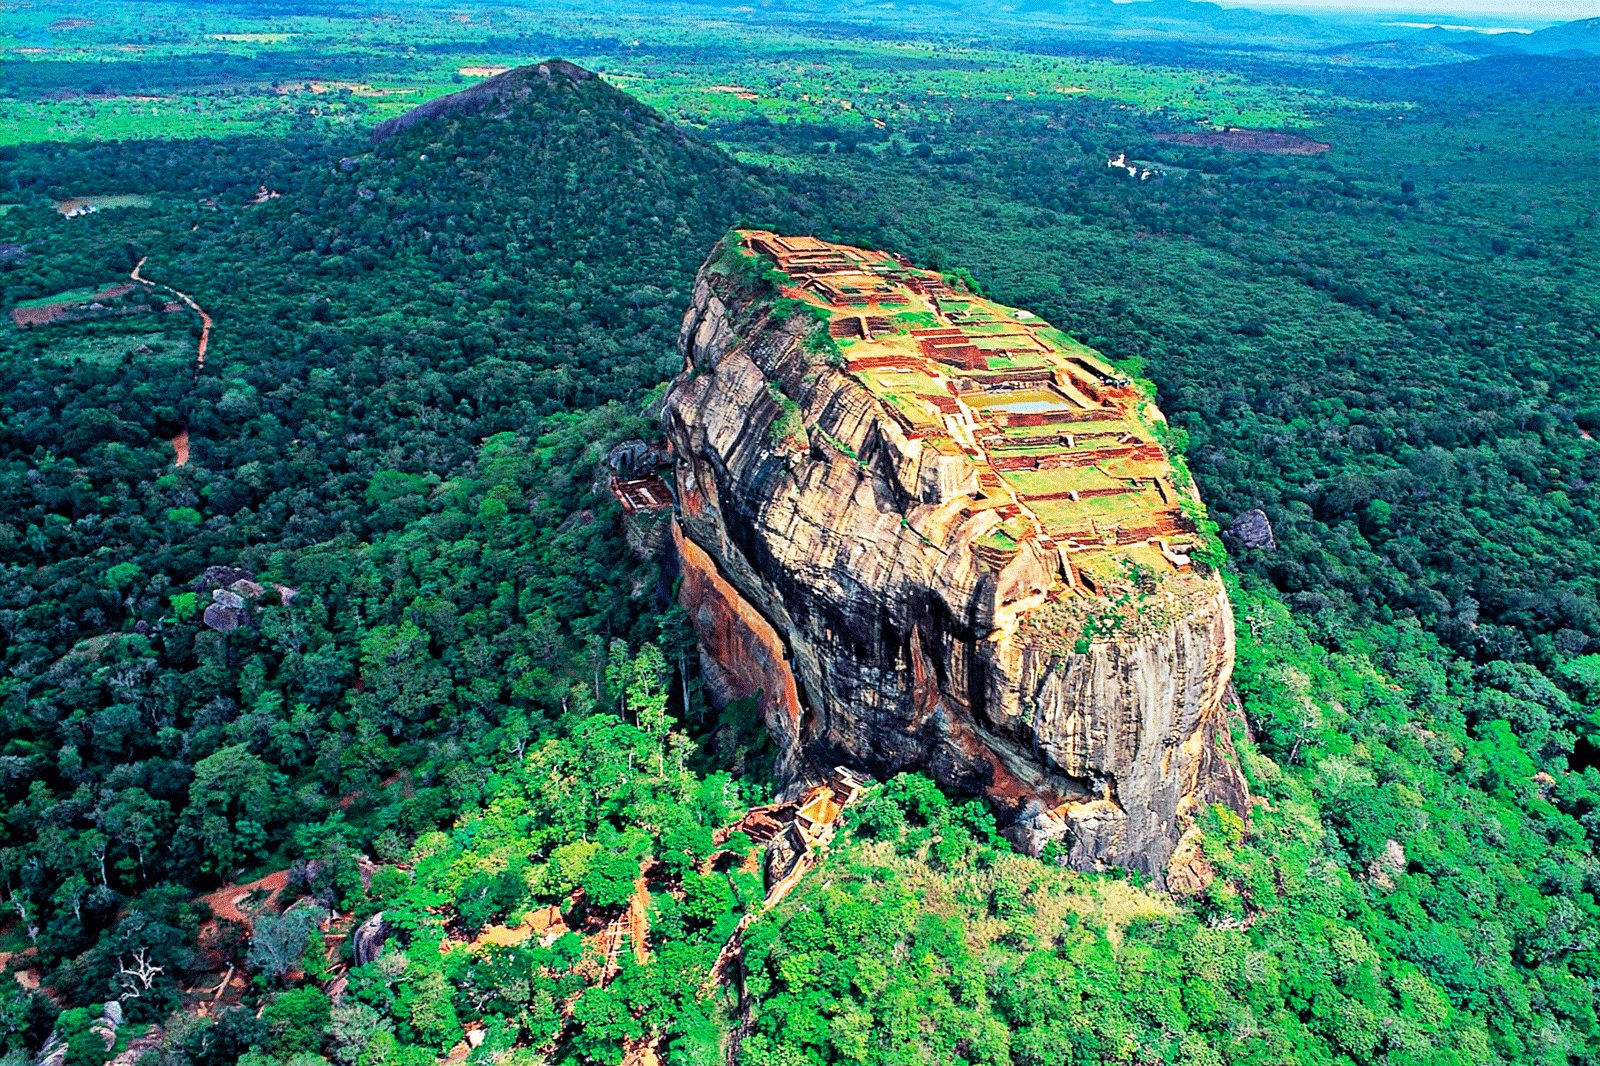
225 901
534 927
180 448
1262 142
228 905
44 314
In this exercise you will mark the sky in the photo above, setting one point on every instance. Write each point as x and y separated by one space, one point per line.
1536 12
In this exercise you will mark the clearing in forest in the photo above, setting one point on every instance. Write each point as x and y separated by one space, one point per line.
77 206
66 305
1261 142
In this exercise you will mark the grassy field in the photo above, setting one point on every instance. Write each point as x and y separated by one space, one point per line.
87 204
107 342
72 296
227 71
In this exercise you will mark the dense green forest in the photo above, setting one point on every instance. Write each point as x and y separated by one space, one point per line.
460 694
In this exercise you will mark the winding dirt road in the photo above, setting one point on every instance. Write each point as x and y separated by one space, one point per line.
188 301
180 443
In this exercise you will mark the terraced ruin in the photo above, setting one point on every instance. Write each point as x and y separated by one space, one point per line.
1065 445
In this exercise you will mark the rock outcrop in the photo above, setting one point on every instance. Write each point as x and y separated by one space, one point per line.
935 534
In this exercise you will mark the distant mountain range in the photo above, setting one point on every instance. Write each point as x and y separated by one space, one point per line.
1354 39
1570 38
1430 45
1439 44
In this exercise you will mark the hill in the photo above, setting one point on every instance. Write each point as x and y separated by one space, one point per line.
503 89
1441 44
1581 37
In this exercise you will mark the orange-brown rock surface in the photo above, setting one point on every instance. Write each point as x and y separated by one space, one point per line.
936 534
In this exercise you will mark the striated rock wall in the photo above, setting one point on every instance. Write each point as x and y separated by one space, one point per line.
830 562
741 654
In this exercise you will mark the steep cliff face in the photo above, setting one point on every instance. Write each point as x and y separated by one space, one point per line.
936 534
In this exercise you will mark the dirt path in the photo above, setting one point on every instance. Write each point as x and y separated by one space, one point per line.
814 820
640 906
205 319
180 443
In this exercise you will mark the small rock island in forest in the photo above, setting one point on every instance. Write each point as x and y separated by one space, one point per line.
933 532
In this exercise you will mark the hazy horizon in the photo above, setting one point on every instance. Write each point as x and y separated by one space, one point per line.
1535 12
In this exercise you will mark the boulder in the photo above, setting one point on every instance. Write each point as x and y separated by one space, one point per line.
246 588
227 598
635 459
53 1053
224 619
226 612
214 577
1252 530
1389 864
368 939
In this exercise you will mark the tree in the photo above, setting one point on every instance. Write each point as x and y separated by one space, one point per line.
278 941
297 1020
136 974
231 801
431 1013
603 1025
352 1031
609 880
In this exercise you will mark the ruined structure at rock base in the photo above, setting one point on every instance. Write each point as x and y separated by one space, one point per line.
936 534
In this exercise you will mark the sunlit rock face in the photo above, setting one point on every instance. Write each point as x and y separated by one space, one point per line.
933 533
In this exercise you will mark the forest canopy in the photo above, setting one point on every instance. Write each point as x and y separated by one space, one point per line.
457 696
